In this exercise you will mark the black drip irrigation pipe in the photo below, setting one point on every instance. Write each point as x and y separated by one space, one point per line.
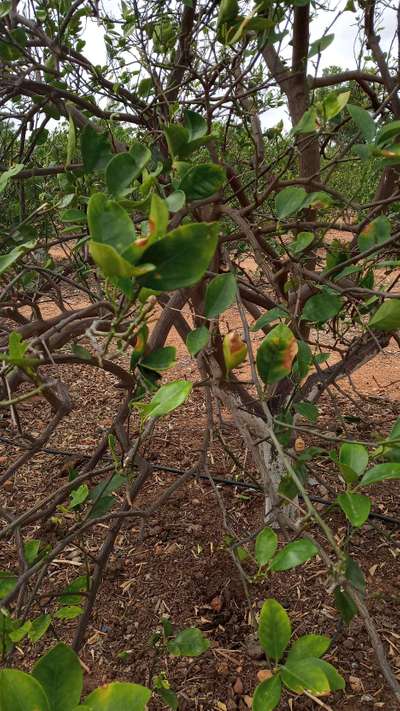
256 487
216 479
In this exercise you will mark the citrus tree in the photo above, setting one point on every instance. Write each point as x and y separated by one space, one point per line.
156 173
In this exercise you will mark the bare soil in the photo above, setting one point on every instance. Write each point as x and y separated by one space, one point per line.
178 565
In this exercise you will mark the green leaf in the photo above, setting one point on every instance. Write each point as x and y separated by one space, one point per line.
304 674
59 673
266 545
110 224
335 680
169 697
73 215
5 8
10 173
120 173
166 399
309 645
78 496
202 181
387 316
375 233
353 460
181 258
355 575
274 629
320 44
356 507
303 360
8 260
21 692
141 155
160 359
308 122
195 124
307 409
381 472
177 140
302 241
80 584
145 87
267 695
8 582
71 141
289 200
31 550
197 340
293 554
19 633
276 353
272 315
333 104
344 604
95 149
364 121
39 627
176 200
220 294
81 352
388 133
69 612
119 696
188 643
321 307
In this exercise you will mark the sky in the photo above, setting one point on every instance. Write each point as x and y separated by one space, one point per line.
342 52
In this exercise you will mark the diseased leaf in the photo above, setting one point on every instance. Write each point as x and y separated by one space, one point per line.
276 354
119 695
234 350
375 233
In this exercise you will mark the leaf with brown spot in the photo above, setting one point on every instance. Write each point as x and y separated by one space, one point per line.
276 354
